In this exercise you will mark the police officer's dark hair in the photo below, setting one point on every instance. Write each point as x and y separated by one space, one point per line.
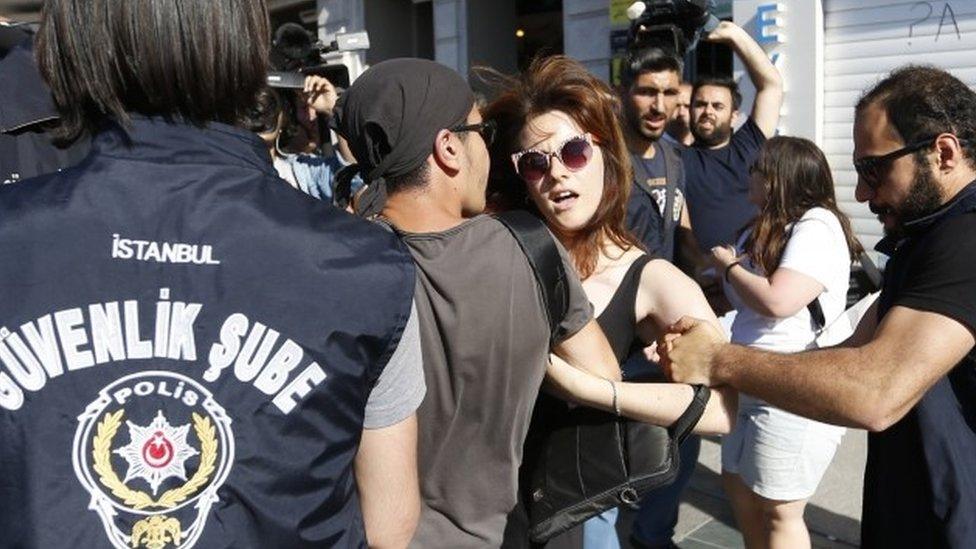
648 60
923 101
721 82
198 61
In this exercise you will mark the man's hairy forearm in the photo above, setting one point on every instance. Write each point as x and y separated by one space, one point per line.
830 385
762 72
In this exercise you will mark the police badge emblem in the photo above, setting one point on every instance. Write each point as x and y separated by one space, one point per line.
152 450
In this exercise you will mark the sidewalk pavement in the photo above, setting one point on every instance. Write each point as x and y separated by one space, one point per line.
833 514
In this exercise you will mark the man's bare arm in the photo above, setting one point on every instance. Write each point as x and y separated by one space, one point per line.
865 329
871 386
389 492
763 74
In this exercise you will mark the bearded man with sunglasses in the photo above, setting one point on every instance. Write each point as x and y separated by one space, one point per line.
485 332
908 374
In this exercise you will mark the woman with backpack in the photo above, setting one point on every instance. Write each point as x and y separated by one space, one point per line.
787 276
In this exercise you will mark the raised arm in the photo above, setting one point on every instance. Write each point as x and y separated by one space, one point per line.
764 76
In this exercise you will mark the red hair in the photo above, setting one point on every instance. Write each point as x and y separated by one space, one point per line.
559 83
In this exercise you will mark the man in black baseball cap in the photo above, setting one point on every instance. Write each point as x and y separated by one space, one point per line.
485 334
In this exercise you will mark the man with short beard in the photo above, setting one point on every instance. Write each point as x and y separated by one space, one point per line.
908 374
717 165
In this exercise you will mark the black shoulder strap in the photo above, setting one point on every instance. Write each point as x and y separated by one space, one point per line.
672 171
540 249
816 314
641 175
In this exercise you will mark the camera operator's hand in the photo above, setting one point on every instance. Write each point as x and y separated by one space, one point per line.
320 94
724 33
763 74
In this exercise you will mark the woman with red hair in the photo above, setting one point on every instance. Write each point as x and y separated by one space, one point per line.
561 154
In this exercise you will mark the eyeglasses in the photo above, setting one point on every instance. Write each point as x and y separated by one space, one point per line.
872 168
533 165
486 129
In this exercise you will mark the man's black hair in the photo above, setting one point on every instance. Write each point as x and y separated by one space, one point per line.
198 61
262 116
721 82
416 178
648 60
922 102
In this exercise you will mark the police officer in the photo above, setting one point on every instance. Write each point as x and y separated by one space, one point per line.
27 114
193 353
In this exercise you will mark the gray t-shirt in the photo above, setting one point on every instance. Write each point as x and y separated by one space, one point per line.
485 341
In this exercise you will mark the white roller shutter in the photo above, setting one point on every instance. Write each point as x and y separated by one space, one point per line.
865 39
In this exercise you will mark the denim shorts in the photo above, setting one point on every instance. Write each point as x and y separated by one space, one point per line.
779 455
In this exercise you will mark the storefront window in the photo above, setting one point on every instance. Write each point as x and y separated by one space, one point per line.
538 30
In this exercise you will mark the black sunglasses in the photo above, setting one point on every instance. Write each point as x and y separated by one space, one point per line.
486 129
872 168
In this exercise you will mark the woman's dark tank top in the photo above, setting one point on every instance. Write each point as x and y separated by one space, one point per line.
618 320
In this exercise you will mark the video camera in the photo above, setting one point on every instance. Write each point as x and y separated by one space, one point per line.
671 25
295 54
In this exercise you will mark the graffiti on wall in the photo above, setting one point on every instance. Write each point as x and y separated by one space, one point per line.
928 10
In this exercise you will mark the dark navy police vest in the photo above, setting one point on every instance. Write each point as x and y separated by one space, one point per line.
187 345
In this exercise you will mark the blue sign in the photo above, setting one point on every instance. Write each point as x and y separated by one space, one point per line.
766 24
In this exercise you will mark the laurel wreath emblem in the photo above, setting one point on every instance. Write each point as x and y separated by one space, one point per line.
137 499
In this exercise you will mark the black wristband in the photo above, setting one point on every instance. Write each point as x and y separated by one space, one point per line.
685 424
729 268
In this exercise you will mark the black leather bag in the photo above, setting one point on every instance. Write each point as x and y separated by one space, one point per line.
579 462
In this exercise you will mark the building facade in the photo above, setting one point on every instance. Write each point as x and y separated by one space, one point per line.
828 51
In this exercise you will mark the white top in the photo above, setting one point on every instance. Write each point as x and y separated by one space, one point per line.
285 171
818 249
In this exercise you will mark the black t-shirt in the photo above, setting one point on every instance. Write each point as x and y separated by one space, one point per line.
718 186
920 482
645 208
